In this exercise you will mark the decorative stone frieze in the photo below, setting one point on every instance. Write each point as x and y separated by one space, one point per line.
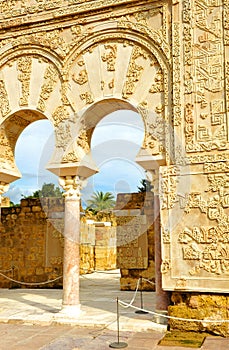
194 222
73 62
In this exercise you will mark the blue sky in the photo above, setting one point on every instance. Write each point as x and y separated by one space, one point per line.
115 144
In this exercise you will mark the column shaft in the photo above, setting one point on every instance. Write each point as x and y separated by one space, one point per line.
71 252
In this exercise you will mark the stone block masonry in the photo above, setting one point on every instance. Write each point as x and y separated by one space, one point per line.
31 244
135 239
25 244
201 306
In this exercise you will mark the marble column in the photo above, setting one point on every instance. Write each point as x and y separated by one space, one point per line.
71 264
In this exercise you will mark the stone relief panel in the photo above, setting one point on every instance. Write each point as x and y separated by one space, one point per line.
205 117
124 70
127 69
29 81
132 242
14 13
195 227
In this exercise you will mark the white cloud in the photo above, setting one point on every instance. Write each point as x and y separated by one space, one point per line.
120 125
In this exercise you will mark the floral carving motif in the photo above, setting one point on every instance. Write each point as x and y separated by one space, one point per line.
5 107
24 66
50 78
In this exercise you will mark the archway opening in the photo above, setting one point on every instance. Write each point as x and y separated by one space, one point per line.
33 149
34 255
115 142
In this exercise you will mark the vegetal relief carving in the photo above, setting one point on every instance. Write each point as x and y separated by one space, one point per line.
24 66
208 245
134 71
169 181
4 100
50 78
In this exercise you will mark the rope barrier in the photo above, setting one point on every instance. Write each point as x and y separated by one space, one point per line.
135 294
126 305
30 283
122 303
153 283
6 270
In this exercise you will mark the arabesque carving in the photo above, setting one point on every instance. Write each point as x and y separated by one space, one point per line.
110 57
87 97
169 187
82 140
158 86
200 236
3 188
176 75
60 114
134 72
50 78
206 82
4 100
24 66
209 245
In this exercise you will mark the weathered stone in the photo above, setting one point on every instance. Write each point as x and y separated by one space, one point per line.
128 252
200 307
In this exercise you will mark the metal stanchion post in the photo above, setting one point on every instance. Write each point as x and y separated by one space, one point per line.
141 296
118 344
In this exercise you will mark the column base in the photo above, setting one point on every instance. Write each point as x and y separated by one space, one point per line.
70 311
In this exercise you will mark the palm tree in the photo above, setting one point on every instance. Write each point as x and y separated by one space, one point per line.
100 201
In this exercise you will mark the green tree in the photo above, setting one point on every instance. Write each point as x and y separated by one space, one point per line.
47 190
100 201
145 186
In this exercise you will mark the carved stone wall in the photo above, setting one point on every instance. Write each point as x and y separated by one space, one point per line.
47 71
73 62
198 233
194 190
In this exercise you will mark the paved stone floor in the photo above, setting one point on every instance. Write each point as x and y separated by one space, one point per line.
65 337
22 337
98 297
30 319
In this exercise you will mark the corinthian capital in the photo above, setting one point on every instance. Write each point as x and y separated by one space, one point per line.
3 187
72 185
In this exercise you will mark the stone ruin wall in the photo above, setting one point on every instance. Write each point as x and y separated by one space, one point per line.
31 244
135 240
